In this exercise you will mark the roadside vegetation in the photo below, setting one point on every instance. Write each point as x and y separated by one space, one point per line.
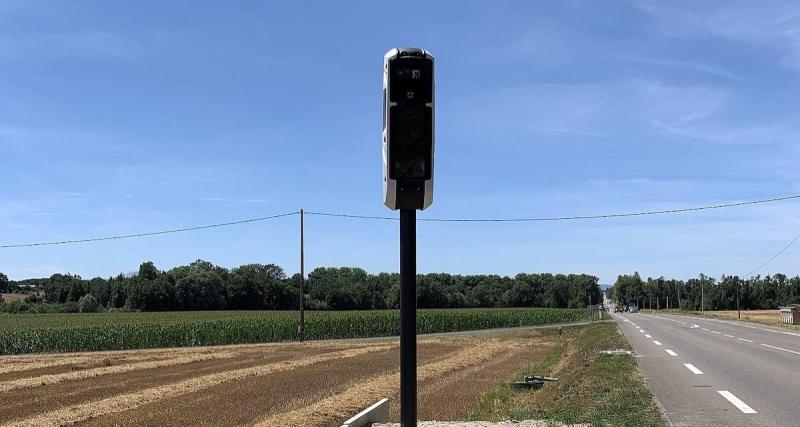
755 293
119 331
593 388
764 317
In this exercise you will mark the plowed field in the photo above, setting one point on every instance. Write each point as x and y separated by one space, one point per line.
291 384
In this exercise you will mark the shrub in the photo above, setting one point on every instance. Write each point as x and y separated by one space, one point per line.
87 304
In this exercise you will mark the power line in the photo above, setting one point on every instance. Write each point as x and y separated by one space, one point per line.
391 218
566 218
153 233
773 257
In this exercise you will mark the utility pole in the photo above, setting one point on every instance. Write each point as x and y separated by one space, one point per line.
738 309
301 330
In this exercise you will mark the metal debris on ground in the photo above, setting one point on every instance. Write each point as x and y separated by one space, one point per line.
532 381
618 352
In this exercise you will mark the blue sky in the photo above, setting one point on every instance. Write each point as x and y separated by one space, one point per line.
119 117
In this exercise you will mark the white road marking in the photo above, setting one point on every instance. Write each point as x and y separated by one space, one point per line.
641 330
706 330
736 402
729 336
715 332
694 370
781 349
647 336
656 342
670 352
694 326
745 340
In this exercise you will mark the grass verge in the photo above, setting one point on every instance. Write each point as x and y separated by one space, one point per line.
593 388
763 317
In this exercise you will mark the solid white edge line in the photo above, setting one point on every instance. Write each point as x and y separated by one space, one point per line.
692 368
781 349
670 352
657 342
736 402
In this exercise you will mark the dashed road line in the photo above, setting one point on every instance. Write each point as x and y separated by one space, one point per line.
647 336
670 352
706 330
743 339
657 342
715 332
729 336
781 349
736 402
692 368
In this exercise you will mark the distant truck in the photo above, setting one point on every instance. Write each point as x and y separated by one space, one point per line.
632 308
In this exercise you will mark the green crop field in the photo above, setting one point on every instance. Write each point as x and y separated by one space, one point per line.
38 333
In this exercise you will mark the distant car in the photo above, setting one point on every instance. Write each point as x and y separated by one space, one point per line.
633 309
618 309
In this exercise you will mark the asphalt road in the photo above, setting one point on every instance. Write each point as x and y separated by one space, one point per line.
712 372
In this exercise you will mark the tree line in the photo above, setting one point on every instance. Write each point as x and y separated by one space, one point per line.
755 293
202 285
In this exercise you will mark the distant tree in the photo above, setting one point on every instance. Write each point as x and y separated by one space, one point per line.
257 286
87 304
34 298
200 290
3 283
117 294
148 271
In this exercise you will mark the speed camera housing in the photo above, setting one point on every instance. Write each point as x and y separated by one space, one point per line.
408 128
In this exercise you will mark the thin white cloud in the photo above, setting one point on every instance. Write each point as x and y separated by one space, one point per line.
88 44
769 24
689 65
229 200
617 109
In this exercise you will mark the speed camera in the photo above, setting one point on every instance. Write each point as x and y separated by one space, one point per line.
408 128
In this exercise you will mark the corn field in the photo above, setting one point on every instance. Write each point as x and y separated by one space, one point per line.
39 333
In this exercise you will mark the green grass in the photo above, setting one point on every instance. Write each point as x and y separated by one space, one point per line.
36 333
593 388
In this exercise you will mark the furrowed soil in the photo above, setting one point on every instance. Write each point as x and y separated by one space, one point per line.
302 384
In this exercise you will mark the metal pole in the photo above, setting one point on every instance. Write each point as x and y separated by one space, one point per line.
302 328
408 317
738 309
703 298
